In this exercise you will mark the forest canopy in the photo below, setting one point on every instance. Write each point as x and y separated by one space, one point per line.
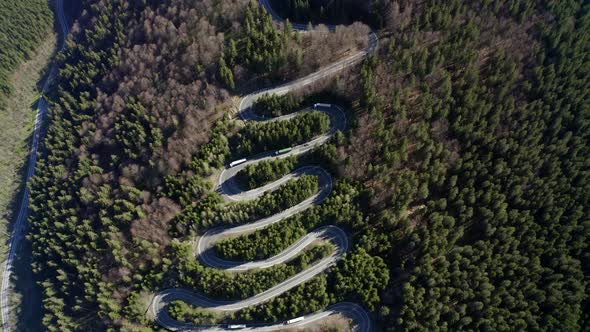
463 179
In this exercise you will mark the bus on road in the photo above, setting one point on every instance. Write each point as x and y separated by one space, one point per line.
282 151
321 105
236 326
237 162
295 320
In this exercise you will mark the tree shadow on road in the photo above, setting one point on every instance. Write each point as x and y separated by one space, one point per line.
28 313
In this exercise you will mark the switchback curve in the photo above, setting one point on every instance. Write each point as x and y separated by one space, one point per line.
232 191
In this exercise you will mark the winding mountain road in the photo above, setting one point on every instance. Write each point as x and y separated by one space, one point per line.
230 190
20 225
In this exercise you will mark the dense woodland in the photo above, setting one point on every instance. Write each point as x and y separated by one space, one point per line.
213 211
322 11
257 175
477 118
463 181
261 53
23 23
275 105
261 137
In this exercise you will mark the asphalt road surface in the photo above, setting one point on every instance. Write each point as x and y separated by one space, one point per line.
231 190
20 225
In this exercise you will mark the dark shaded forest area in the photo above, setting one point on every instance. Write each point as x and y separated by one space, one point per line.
464 180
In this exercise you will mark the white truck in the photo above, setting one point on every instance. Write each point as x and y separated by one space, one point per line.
295 320
237 162
321 105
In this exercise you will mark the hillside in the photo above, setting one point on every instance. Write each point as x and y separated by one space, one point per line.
23 24
133 139
477 166
451 166
26 42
